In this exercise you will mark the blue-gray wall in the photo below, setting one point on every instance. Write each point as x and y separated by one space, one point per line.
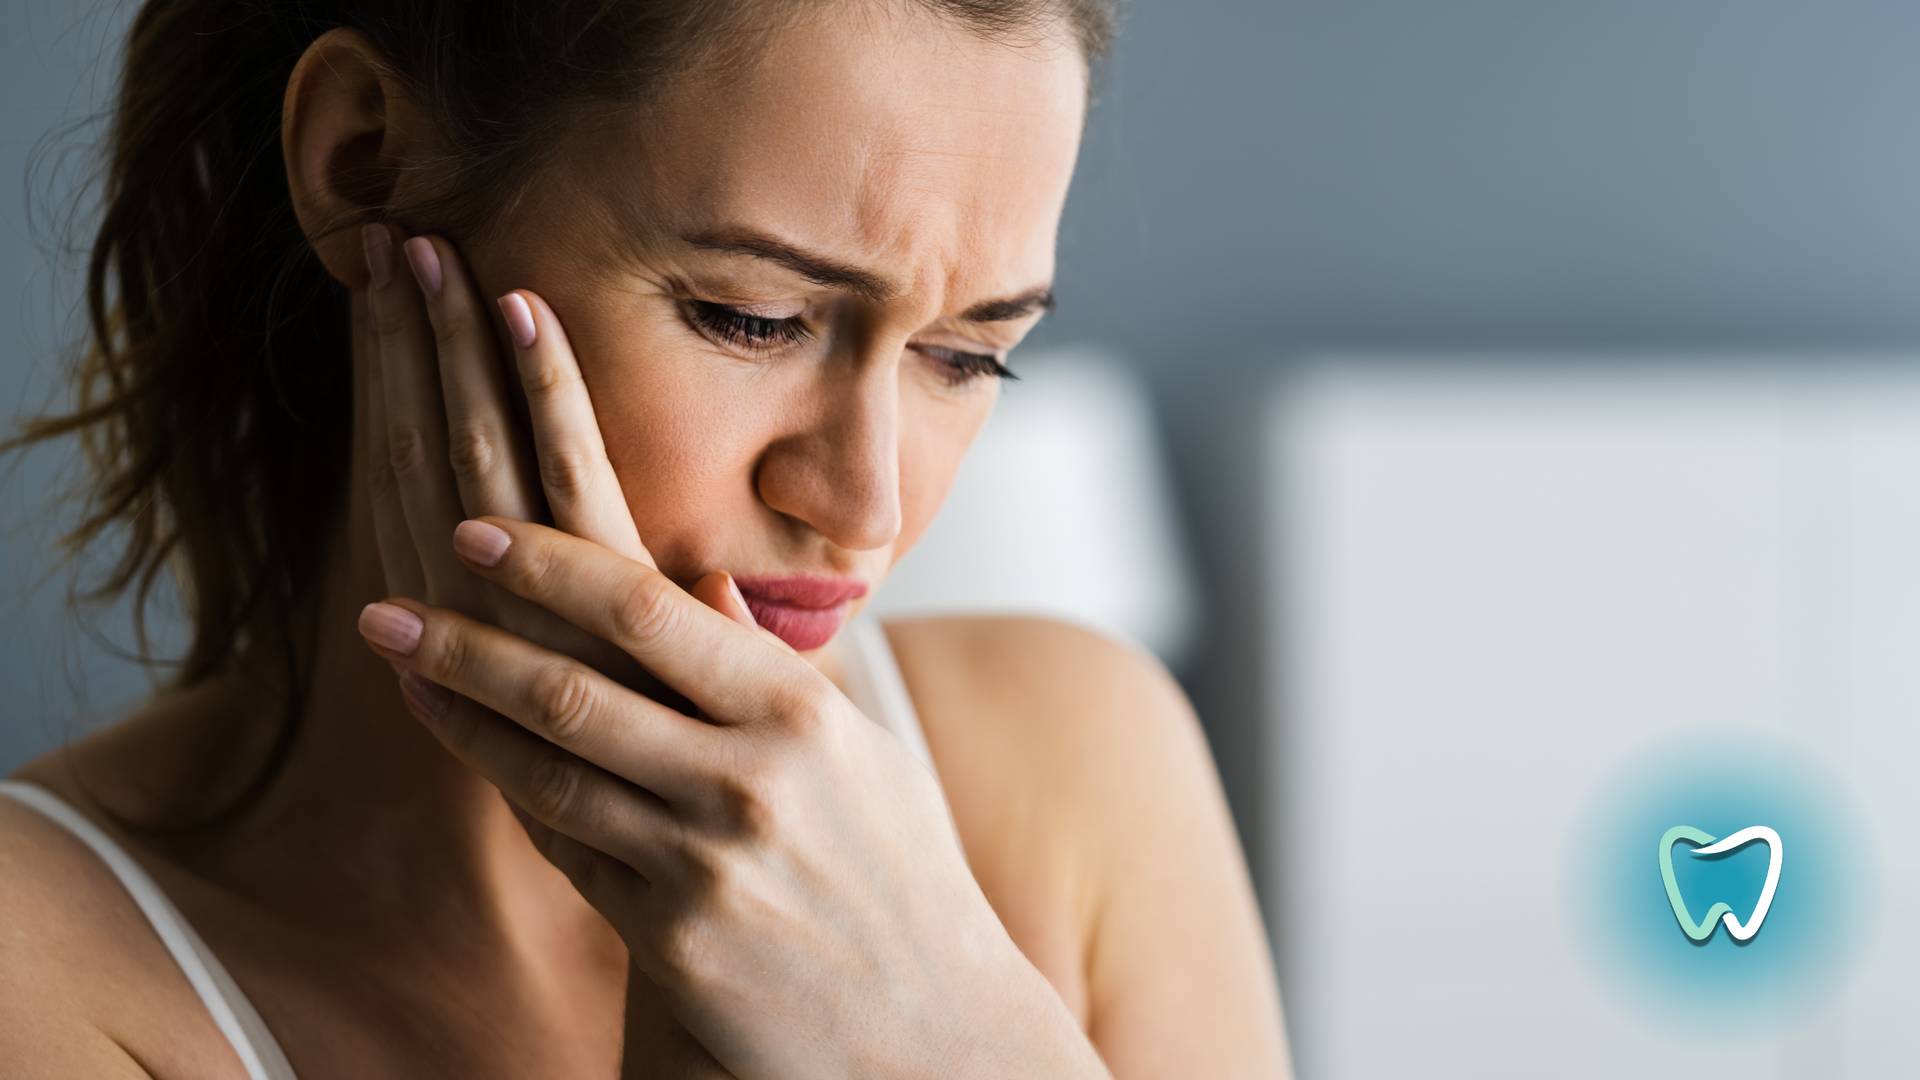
1274 176
52 669
1266 179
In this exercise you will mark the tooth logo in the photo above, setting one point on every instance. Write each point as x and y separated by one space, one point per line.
1720 912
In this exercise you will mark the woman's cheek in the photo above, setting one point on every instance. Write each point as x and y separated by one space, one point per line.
685 463
672 425
934 439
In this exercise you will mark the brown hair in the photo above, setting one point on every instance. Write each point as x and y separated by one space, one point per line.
214 399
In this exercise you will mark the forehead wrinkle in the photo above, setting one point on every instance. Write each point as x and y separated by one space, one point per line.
955 246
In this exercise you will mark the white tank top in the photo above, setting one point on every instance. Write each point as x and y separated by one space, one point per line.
874 684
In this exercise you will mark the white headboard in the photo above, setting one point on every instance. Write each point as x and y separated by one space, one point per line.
1495 582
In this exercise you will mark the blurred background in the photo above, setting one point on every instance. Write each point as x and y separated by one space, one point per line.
1461 398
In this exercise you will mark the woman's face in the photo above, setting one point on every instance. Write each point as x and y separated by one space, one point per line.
788 291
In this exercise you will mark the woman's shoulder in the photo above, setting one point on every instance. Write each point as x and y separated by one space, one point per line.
1059 735
86 987
1051 687
1088 805
1057 728
56 894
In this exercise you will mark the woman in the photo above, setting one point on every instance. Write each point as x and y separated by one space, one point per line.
448 791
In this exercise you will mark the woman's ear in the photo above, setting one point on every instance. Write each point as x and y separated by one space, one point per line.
347 133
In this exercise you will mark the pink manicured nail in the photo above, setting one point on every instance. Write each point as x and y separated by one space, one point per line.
426 695
392 628
379 247
519 318
479 542
426 265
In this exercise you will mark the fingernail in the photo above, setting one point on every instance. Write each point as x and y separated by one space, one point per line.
426 265
519 318
734 588
392 628
479 542
424 694
379 254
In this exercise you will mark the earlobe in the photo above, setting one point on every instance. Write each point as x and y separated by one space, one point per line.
342 147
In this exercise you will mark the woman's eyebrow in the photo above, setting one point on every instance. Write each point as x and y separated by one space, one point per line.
837 275
1014 307
815 268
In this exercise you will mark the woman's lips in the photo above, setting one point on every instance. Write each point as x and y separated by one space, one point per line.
804 611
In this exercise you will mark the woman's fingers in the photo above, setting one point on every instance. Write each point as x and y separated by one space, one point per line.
493 473
488 464
553 696
399 558
416 424
582 491
554 788
606 882
698 651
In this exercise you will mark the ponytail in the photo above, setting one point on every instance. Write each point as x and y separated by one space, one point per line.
213 394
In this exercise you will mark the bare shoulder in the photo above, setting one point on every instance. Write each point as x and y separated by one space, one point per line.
1093 818
1049 686
1064 731
86 987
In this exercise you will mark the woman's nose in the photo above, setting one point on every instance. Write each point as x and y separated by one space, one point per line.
840 472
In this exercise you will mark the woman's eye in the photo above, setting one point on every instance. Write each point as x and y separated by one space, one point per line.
961 368
736 327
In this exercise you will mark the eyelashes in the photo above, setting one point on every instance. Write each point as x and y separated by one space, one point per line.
761 334
964 367
736 327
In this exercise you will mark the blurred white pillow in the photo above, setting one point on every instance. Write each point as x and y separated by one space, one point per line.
1062 509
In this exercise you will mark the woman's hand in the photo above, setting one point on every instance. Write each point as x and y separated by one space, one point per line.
786 873
441 445
783 871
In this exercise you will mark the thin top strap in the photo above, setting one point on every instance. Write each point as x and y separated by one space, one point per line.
875 685
231 1010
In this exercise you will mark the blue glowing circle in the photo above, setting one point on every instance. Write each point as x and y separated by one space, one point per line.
1821 908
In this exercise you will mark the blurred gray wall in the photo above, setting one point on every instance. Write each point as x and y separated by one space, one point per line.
1267 179
1272 176
54 670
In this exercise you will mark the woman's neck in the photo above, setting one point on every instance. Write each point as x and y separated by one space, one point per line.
365 785
367 807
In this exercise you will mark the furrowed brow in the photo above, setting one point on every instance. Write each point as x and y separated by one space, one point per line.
817 269
1014 307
